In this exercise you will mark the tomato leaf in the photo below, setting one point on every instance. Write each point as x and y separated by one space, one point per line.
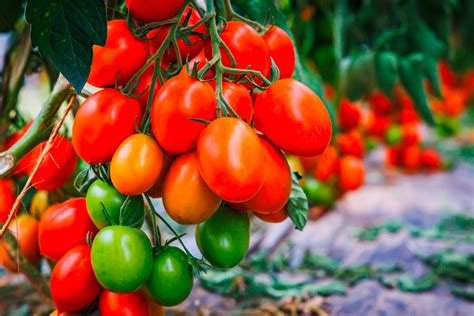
297 205
386 71
65 32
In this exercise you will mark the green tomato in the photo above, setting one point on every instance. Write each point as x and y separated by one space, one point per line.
121 258
319 193
101 193
171 278
393 135
224 238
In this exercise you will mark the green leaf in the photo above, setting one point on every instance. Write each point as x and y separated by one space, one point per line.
424 40
297 205
9 14
425 283
430 69
386 71
358 75
65 32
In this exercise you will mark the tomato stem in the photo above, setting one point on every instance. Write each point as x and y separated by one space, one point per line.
231 14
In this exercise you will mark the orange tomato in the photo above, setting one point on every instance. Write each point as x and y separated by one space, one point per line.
157 188
351 173
277 217
327 164
351 143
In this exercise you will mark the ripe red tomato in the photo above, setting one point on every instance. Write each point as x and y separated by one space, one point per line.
328 164
200 61
156 11
351 143
63 227
121 57
351 173
411 133
380 103
25 229
144 86
118 304
231 159
348 114
430 158
180 99
276 188
247 47
281 49
197 202
392 156
7 198
102 123
136 165
294 118
277 217
411 156
73 283
188 50
238 97
26 160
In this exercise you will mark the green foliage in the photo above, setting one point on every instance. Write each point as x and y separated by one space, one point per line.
297 205
9 14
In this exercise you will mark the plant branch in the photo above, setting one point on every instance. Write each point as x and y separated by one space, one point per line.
231 14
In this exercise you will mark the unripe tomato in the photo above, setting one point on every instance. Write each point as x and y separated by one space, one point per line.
231 159
188 49
247 47
102 123
351 143
156 11
121 258
39 204
238 97
73 283
277 217
63 227
348 114
101 195
318 193
276 188
136 165
180 99
328 164
351 173
57 166
281 49
196 203
394 135
7 198
130 304
121 57
294 118
224 238
25 229
171 278
430 158
157 188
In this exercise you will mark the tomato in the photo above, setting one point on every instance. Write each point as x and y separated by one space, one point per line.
297 166
351 143
25 229
380 103
180 99
238 97
293 118
57 166
392 156
7 198
12 140
171 278
136 164
328 164
39 204
231 159
411 133
393 135
224 238
348 114
121 258
196 203
277 217
276 188
411 156
430 158
199 61
143 87
351 173
117 304
156 11
247 47
281 49
319 193
73 284
102 195
102 123
188 48
121 57
63 227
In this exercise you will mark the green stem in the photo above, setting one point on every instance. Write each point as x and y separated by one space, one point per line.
231 14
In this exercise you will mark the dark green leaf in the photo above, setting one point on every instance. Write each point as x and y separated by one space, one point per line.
9 14
430 68
386 71
297 205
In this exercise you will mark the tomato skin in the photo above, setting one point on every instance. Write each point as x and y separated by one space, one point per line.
101 193
351 173
380 103
144 11
7 198
63 227
319 193
102 123
180 99
231 159
348 114
187 51
281 49
351 143
73 283
25 229
276 217
411 133
328 164
117 304
293 118
224 238
238 97
136 164
156 190
121 57
197 202
121 258
430 158
276 188
411 156
39 204
171 278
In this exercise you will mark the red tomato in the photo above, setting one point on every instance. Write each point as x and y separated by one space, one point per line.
136 165
430 158
238 97
146 11
392 156
200 61
411 133
117 304
308 163
276 188
231 159
15 137
281 49
144 87
63 227
294 118
447 75
121 57
73 283
157 188
351 143
102 123
187 49
380 103
197 202
380 126
327 165
247 47
180 99
348 114
411 156
277 217
7 198
351 173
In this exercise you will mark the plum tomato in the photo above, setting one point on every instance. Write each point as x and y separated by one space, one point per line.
238 97
156 190
7 198
351 173
281 49
156 11
348 114
276 217
129 304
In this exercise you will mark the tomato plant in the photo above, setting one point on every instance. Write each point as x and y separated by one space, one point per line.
281 49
